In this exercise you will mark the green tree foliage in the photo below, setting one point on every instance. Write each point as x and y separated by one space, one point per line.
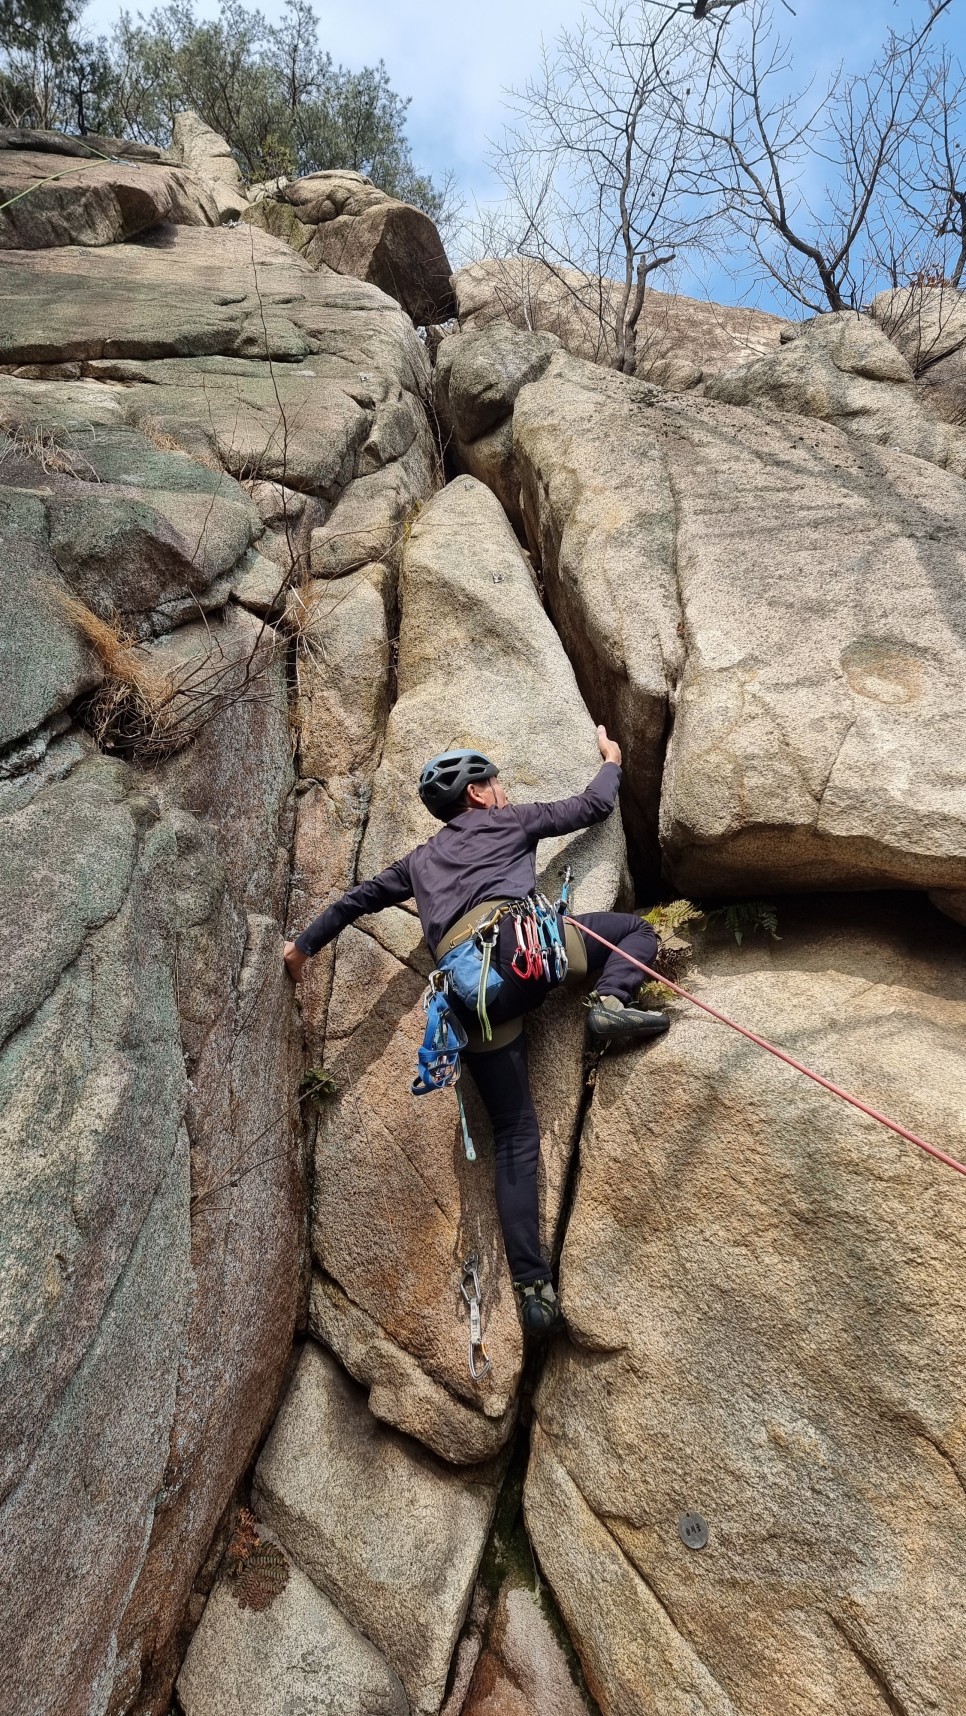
269 88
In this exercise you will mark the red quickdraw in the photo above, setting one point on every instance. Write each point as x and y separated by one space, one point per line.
527 962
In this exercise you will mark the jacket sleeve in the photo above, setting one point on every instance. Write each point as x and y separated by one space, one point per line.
387 889
566 815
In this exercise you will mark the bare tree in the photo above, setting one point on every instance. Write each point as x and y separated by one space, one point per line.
597 166
820 189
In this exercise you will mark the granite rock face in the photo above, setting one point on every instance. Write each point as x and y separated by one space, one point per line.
928 325
397 1206
341 221
196 146
762 1286
300 1656
392 1535
807 703
155 1188
239 614
523 1670
680 343
844 369
101 202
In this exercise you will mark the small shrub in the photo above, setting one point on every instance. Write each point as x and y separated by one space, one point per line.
745 917
259 1571
317 1086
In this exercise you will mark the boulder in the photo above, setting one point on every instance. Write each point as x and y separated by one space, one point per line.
393 1536
763 1288
928 325
208 156
818 748
680 341
298 1656
97 203
340 220
476 380
397 1205
844 369
523 1670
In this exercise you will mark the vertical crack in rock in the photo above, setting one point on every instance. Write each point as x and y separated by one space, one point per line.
870 1668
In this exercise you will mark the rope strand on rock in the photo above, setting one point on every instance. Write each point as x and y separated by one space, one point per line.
780 1054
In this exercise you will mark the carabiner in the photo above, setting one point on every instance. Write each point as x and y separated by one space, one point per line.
473 1297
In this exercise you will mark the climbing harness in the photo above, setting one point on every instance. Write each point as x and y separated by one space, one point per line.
540 951
780 1054
470 1289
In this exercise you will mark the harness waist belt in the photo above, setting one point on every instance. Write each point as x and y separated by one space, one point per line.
464 926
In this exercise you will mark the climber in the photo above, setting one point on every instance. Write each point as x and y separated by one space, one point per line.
480 861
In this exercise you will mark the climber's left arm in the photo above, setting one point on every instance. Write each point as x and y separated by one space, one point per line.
389 888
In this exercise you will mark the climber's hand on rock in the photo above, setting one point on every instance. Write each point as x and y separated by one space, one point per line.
609 748
294 960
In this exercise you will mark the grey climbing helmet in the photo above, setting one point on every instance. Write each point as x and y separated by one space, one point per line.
445 779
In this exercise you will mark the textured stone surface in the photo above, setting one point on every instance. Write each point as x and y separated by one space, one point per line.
104 202
341 221
600 516
475 384
681 341
843 368
298 1658
393 1536
96 1236
523 1670
763 1286
816 736
183 292
813 675
44 664
195 145
397 1205
151 969
928 324
138 533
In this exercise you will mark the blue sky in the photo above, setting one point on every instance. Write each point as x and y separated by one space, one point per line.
455 62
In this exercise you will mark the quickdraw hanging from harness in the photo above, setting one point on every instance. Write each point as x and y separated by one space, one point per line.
470 1289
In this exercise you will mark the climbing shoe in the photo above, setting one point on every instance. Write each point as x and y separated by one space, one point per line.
610 1021
540 1311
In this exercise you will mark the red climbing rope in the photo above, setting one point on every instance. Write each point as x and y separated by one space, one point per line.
780 1054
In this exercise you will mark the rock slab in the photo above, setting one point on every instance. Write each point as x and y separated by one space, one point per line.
763 1287
391 1535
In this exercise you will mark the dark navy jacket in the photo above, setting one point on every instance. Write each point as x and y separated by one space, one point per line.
480 855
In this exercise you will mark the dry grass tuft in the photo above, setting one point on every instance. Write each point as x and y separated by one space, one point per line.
146 714
46 447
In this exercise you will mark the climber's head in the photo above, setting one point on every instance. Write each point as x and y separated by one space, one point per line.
460 780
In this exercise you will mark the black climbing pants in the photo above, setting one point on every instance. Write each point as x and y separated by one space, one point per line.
502 1078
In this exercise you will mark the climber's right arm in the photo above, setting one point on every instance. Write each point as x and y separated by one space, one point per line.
389 888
